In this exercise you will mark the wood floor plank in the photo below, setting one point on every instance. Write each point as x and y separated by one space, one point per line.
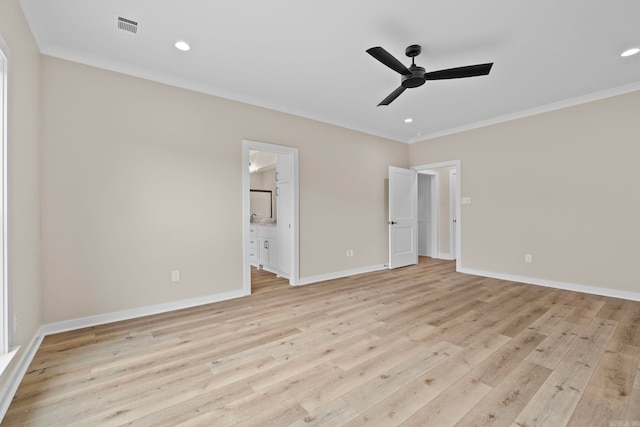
558 397
420 345
586 309
379 389
497 367
369 351
526 316
633 408
454 368
320 354
547 323
451 405
397 407
606 398
336 413
293 362
415 330
628 331
501 406
344 383
178 411
553 349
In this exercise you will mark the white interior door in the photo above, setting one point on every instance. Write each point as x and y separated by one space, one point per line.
403 217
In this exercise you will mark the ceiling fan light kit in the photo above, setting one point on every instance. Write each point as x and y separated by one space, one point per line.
415 76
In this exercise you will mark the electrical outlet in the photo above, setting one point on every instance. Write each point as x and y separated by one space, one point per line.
528 258
175 276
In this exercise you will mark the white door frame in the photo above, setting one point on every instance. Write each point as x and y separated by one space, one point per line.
435 197
457 165
247 145
453 213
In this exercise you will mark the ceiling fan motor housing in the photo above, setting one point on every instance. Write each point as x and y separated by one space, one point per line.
415 79
414 76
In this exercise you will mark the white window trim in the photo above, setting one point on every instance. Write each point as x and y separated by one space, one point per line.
4 276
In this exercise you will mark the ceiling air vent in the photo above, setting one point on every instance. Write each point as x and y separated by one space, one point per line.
127 25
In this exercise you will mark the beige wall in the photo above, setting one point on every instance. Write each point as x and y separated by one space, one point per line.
561 186
141 178
23 138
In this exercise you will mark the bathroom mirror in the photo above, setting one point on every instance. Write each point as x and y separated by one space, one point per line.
261 204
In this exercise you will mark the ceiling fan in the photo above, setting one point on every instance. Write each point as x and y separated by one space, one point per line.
415 76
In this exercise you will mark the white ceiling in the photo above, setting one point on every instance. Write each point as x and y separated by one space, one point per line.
308 57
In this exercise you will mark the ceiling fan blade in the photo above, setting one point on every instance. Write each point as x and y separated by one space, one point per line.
389 99
460 72
389 60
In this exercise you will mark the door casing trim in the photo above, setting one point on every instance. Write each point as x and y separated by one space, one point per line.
248 145
458 167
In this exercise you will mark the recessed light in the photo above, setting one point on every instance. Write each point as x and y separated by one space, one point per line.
182 45
408 120
630 52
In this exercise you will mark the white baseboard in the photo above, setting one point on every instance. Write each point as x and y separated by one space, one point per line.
339 274
587 289
16 375
100 319
445 255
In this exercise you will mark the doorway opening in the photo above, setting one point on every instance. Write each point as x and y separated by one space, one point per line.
428 191
270 214
439 216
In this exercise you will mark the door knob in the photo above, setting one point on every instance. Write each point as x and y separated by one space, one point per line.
392 222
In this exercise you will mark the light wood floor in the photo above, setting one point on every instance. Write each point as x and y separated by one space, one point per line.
422 345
